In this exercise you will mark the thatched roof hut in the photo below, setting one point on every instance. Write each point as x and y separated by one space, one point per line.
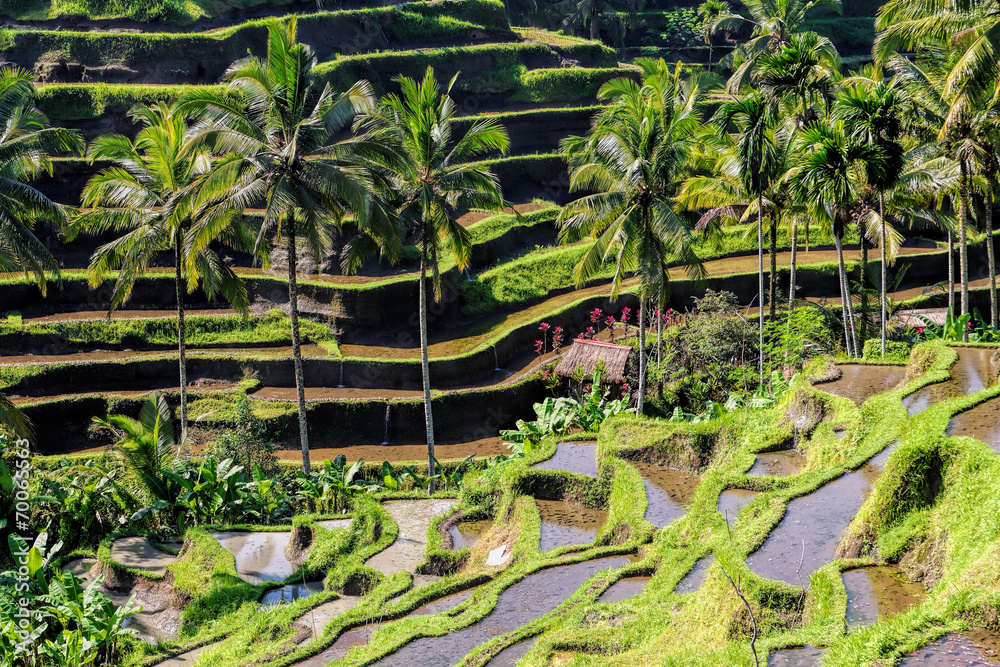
588 353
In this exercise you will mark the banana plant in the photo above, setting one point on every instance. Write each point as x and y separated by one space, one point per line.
454 478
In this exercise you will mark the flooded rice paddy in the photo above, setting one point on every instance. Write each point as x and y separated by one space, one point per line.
668 491
528 599
981 422
290 593
578 457
859 382
693 580
259 556
413 517
778 464
879 592
567 524
952 649
443 604
138 553
623 589
731 501
810 531
359 636
466 533
972 372
807 656
510 655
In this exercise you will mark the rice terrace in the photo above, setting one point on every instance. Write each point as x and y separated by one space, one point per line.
499 332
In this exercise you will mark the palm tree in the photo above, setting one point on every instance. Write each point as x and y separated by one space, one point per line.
26 140
632 159
872 110
830 174
598 16
276 127
754 119
431 174
773 23
709 13
148 199
25 143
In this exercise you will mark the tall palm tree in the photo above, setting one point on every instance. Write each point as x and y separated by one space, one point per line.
872 109
830 174
26 140
432 173
632 159
752 120
597 16
709 13
772 22
148 199
276 127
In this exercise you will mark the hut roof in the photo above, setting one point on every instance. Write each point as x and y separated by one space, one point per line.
587 353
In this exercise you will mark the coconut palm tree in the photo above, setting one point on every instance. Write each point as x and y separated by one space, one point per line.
773 23
26 141
752 121
148 199
276 127
632 160
597 16
830 175
432 172
709 13
872 108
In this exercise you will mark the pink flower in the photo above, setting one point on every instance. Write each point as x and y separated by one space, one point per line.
595 315
626 311
544 326
920 330
538 347
611 321
590 332
546 375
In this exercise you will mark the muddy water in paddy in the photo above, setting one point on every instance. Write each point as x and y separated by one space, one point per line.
623 589
981 422
528 599
510 655
359 636
259 557
579 457
566 524
778 464
467 533
668 492
138 553
807 656
693 580
290 593
879 592
972 372
396 453
955 649
443 604
859 382
811 529
413 517
731 501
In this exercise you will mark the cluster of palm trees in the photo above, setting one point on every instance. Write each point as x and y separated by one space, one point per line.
273 141
790 140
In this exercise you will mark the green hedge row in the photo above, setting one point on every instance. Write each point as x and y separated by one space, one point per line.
173 12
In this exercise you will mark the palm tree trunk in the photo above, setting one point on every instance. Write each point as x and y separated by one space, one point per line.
642 355
425 368
772 292
863 283
883 288
293 308
963 248
760 282
807 236
791 266
182 354
844 295
990 253
659 336
951 272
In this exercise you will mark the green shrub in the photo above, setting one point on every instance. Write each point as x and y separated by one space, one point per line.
565 84
897 351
